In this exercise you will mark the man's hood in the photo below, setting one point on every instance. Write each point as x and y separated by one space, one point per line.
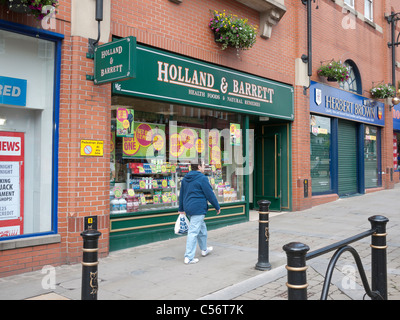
193 175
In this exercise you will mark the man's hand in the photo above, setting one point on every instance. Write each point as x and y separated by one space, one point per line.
219 211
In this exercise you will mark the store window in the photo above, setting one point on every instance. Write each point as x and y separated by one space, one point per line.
320 140
153 144
26 134
371 157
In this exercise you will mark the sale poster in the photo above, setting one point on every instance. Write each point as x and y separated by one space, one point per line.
148 141
235 134
186 143
125 122
11 183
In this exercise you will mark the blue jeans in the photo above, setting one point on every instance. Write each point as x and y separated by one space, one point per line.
197 233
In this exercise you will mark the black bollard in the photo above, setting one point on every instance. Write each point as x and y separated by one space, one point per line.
263 236
378 255
89 264
296 270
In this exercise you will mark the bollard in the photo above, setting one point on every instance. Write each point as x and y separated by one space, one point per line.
378 255
263 236
296 270
89 264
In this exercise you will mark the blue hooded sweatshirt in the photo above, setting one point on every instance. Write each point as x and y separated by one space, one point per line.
194 193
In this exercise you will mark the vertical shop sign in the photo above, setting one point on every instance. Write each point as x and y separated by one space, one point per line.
395 153
11 183
115 61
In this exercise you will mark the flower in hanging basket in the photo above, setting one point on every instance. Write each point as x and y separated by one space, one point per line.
232 31
382 91
39 8
334 70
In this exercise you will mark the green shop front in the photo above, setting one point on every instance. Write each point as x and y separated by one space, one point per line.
175 111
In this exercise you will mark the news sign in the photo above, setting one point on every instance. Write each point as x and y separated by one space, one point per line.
11 183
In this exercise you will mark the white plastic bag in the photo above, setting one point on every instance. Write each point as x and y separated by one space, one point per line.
181 225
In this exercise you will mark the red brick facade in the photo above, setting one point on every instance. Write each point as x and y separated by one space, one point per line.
83 182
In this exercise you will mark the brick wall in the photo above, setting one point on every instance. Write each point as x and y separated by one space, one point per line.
85 108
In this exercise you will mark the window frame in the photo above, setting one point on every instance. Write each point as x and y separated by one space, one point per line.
356 78
332 161
369 4
350 3
57 39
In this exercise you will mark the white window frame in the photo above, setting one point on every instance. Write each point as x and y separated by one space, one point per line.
350 3
369 4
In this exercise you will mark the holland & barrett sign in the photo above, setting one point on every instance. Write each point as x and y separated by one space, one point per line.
181 80
115 61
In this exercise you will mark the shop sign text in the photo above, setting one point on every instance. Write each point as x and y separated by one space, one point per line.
13 91
342 104
115 61
169 77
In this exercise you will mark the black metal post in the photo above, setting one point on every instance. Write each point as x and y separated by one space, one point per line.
89 264
263 236
296 270
378 255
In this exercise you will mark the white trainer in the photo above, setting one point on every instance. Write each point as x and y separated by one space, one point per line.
207 251
187 261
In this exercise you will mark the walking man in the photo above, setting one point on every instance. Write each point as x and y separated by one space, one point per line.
194 193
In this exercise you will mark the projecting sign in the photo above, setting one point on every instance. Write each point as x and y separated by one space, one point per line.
115 61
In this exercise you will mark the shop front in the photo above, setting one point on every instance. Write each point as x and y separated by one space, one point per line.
345 138
29 82
178 110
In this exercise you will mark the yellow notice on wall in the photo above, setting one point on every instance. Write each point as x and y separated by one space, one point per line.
92 148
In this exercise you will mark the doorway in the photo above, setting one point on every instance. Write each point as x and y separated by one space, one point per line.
272 169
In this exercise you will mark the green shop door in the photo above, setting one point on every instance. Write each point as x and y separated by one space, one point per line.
347 158
271 172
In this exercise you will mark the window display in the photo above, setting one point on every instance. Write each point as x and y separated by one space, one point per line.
27 77
153 145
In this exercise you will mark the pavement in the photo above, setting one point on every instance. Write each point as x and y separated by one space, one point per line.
156 271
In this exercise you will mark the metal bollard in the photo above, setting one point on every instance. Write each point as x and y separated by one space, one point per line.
378 255
263 236
296 267
89 264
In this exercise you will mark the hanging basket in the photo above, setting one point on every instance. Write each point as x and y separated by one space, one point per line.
331 79
18 6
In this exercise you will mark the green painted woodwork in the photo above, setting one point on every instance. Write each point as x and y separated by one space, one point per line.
161 75
141 228
272 164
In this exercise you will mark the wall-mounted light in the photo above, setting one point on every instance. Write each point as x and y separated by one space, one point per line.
395 100
3 121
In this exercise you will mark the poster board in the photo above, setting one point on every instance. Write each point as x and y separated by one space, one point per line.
12 151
